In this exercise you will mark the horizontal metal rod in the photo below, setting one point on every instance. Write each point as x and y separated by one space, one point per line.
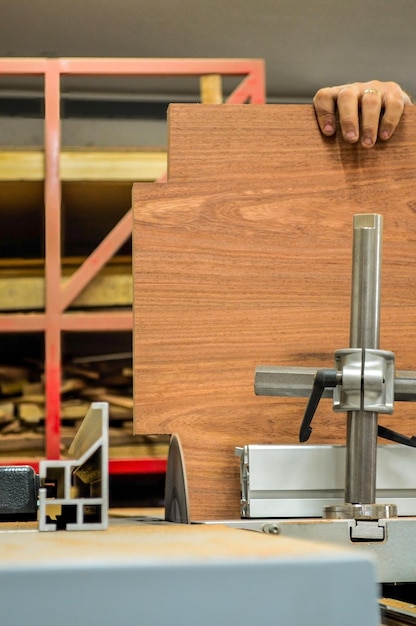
297 382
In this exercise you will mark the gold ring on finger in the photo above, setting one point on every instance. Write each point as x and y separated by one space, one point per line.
373 91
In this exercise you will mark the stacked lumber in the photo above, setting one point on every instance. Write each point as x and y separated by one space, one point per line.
104 378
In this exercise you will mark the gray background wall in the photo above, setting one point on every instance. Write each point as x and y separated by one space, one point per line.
305 43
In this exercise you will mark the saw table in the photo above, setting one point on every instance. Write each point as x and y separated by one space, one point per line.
158 574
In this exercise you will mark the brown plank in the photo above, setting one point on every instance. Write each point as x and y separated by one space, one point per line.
278 143
227 280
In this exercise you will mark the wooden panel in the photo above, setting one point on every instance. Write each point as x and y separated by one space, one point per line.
278 143
225 281
231 275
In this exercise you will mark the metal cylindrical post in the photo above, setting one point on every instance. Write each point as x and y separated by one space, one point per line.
360 485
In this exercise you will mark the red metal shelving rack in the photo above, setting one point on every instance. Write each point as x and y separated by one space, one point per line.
56 318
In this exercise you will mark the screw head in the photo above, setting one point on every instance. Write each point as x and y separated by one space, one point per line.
271 529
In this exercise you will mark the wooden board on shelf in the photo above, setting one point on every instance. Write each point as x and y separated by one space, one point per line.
22 284
109 164
229 275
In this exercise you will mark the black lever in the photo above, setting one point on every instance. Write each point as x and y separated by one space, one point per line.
391 435
324 378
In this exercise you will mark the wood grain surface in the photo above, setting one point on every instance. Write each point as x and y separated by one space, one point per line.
229 275
278 143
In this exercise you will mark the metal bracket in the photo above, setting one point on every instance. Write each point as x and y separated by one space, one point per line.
367 531
366 381
73 494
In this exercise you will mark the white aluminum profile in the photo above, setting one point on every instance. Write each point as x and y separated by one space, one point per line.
297 481
73 493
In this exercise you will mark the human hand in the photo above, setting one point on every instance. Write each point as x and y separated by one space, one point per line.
367 111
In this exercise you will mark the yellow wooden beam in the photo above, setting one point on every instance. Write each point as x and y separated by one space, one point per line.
112 164
25 290
86 164
22 165
211 89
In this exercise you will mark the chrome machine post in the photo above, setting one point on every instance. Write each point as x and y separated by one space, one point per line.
360 484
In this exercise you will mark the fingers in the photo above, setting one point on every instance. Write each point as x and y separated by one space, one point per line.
394 102
345 99
348 110
366 111
371 106
325 103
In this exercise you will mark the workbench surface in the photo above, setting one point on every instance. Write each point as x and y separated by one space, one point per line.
151 573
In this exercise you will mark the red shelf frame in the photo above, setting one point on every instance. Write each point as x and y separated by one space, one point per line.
58 297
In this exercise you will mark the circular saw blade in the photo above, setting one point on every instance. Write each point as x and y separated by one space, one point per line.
176 492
